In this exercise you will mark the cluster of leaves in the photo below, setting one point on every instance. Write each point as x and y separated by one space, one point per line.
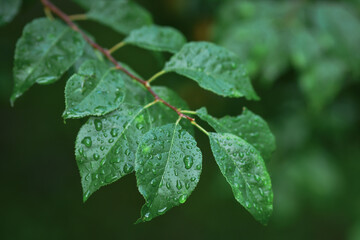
273 35
127 131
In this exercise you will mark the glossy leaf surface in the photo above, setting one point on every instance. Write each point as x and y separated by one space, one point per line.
106 146
44 52
157 38
168 167
8 10
214 68
245 171
95 90
249 126
122 16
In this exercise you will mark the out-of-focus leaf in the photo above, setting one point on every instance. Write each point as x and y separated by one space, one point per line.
121 15
322 83
8 10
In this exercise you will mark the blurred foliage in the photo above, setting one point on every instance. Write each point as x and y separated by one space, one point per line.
315 170
271 36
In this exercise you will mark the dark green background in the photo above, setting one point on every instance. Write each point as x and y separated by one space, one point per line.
315 170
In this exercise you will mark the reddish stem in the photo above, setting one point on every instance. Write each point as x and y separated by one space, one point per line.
107 54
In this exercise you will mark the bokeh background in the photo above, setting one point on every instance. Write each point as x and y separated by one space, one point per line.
304 60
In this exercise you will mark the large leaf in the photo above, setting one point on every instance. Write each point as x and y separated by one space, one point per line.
95 90
106 146
8 10
249 126
245 171
157 38
44 52
121 15
168 167
214 68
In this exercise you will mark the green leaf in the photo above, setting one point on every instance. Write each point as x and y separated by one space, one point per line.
245 171
168 166
163 113
214 68
8 10
44 52
106 146
122 16
157 38
95 90
249 126
329 73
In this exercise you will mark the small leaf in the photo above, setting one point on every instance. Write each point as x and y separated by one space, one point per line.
94 91
121 15
44 52
168 166
214 68
157 38
245 171
106 146
249 126
8 10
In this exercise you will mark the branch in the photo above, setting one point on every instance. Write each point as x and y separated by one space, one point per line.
66 18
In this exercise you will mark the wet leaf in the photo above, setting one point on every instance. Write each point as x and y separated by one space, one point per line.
245 171
168 167
214 68
157 38
95 90
44 52
249 126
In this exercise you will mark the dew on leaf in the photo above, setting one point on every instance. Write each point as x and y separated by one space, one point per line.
96 156
188 161
87 141
182 199
128 168
179 184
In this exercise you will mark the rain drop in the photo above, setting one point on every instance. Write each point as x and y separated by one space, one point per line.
87 142
188 161
182 199
98 124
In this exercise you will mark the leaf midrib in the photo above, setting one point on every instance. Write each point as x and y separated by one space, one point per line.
167 161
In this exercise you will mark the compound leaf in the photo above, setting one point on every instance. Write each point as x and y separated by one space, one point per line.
95 90
44 52
168 166
249 126
8 10
157 38
122 16
214 68
245 171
